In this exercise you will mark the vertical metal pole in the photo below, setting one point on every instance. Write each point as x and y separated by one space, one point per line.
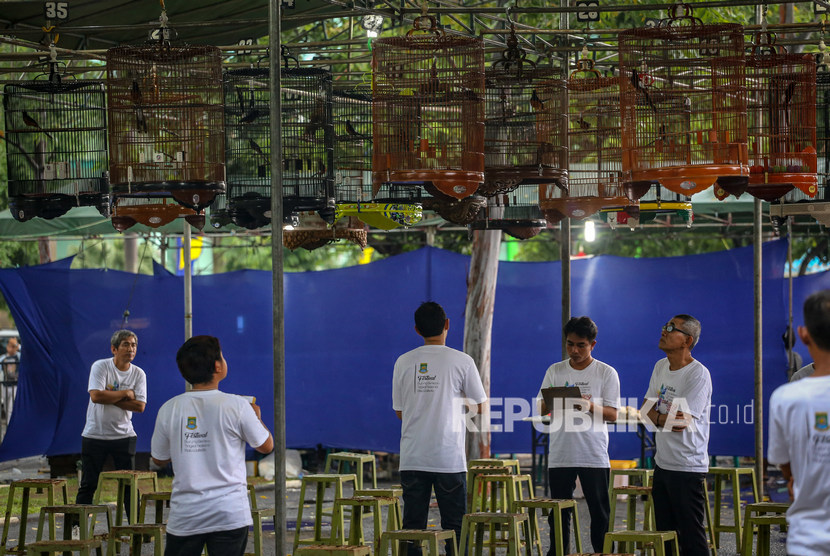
274 42
565 231
759 371
790 352
188 283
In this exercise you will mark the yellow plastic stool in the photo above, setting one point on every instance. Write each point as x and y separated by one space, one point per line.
757 510
359 504
51 486
50 547
125 479
428 538
658 539
473 526
733 474
352 459
136 534
633 493
321 484
548 505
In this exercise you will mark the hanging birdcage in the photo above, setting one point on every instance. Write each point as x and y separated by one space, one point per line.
219 214
56 146
515 212
153 211
684 105
657 202
312 232
428 111
594 152
781 120
525 133
166 129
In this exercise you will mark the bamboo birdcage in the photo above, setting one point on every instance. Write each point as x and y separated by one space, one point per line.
594 149
515 212
56 146
428 111
166 129
781 120
525 133
683 105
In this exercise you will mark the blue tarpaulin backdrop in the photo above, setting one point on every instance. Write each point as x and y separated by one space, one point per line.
345 328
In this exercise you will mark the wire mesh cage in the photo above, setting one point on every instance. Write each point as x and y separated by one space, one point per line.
166 130
56 146
781 120
594 154
428 111
684 105
525 127
152 210
515 212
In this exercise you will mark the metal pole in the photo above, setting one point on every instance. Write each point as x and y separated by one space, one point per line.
274 40
759 374
565 229
791 339
188 283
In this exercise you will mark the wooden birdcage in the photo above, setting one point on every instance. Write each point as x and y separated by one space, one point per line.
526 127
166 129
515 212
428 111
594 153
152 210
312 232
683 102
56 146
781 120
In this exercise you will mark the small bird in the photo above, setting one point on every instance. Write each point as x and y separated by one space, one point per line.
136 97
315 120
31 122
351 130
251 113
637 83
788 96
582 123
257 149
535 102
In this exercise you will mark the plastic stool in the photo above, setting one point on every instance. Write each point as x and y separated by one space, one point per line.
764 523
474 524
51 487
321 483
257 527
493 493
358 504
82 547
136 533
329 550
548 505
633 493
512 464
427 537
757 510
522 481
125 479
352 459
473 472
733 474
159 500
641 538
85 518
384 493
645 476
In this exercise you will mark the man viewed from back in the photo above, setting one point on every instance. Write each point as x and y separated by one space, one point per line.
677 402
799 436
204 433
117 389
578 452
431 388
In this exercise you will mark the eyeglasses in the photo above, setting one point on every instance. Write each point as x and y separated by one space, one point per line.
669 327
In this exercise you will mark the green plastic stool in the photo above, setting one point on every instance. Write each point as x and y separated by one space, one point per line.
359 505
50 547
52 487
429 538
330 550
125 479
158 501
641 538
761 509
633 493
473 526
512 464
353 459
321 483
86 516
548 505
136 533
732 474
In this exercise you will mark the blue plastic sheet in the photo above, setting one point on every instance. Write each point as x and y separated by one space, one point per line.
345 328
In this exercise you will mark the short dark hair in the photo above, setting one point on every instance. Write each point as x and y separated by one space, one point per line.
817 318
197 358
121 335
583 327
430 319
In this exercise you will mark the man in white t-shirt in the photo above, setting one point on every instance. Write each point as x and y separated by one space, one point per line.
677 402
577 450
117 389
433 388
204 433
799 436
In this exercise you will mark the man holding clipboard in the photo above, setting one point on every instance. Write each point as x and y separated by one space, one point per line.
579 442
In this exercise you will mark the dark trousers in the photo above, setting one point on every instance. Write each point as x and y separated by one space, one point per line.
679 506
220 543
94 453
594 483
450 492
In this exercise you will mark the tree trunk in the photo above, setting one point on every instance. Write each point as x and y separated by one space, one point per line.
44 250
478 326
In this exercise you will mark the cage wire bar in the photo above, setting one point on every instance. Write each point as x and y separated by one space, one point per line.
683 102
166 129
428 111
781 120
56 146
515 212
594 154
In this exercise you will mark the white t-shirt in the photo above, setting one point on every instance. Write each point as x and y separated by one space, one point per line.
106 421
429 386
690 388
799 434
204 433
600 383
